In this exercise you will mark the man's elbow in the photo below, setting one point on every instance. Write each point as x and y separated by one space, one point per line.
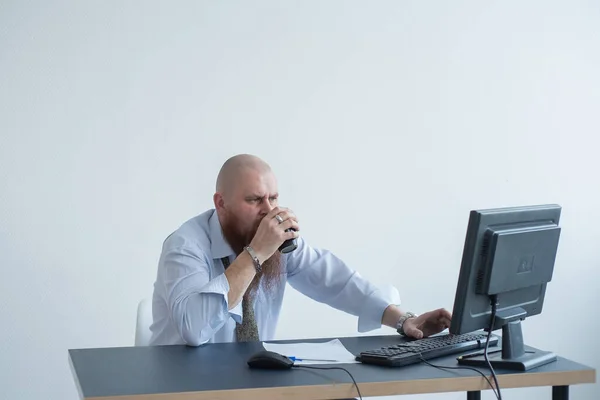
192 340
195 335
199 319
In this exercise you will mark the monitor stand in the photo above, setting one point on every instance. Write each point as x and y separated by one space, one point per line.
513 355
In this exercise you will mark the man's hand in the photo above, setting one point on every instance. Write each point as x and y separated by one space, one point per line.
427 324
271 232
269 236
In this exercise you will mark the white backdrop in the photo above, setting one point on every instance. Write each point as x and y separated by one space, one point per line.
385 122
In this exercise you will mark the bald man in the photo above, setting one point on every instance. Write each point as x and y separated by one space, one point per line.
221 276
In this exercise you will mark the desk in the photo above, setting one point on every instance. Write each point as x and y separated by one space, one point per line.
219 371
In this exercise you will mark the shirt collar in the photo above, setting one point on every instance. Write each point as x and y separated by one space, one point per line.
218 245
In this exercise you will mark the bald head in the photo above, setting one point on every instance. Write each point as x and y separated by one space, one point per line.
234 169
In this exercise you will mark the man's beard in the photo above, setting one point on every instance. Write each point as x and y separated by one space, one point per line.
270 276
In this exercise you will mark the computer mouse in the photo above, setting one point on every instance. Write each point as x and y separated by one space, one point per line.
269 360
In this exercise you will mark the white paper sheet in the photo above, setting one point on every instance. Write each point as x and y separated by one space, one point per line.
331 350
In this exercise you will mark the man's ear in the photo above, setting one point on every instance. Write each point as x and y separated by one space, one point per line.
218 201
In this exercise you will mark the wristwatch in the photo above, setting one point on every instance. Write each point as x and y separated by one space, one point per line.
255 260
400 325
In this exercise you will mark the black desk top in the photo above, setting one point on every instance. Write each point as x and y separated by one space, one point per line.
179 369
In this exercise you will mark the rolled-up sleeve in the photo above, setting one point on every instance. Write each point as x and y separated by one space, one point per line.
325 278
197 304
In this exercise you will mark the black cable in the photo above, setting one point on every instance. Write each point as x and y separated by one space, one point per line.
494 301
463 367
343 369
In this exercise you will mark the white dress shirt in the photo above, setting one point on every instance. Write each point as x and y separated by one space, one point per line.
190 305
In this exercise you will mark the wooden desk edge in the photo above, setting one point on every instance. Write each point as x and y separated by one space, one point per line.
391 388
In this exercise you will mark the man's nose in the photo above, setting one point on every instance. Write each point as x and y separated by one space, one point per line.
266 207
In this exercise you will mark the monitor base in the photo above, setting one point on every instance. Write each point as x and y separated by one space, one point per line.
512 354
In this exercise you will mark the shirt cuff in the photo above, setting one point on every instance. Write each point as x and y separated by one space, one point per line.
220 285
236 313
372 312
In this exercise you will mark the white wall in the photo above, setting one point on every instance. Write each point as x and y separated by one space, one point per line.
386 122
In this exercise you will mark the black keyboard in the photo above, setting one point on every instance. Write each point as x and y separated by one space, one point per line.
415 350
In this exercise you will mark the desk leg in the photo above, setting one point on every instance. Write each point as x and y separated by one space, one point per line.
560 393
476 395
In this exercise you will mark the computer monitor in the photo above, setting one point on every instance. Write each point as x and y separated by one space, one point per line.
508 259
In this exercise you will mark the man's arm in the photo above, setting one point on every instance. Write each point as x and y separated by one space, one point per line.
322 276
198 305
239 275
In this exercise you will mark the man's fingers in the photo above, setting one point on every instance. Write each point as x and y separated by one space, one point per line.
275 216
287 214
413 332
295 225
440 313
290 223
291 235
276 210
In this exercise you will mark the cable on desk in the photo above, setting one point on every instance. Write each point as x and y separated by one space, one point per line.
464 367
496 390
343 369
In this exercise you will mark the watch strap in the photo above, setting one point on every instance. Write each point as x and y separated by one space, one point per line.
255 260
400 325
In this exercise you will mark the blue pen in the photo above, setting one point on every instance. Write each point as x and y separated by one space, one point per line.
309 359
